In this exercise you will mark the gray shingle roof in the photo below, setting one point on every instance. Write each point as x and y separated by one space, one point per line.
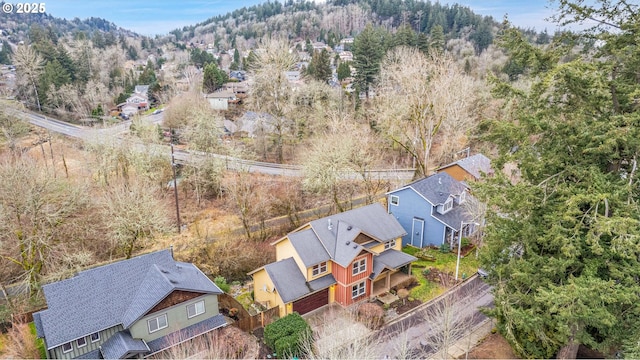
121 344
436 188
308 247
287 279
109 295
454 217
291 284
390 259
187 333
372 220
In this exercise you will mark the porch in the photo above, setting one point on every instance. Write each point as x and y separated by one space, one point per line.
387 280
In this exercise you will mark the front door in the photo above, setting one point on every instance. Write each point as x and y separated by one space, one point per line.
416 232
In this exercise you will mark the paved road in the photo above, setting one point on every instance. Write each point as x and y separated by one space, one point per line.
184 156
422 330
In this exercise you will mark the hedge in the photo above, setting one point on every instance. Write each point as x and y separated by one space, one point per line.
287 335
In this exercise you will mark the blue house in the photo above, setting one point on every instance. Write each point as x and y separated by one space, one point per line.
432 211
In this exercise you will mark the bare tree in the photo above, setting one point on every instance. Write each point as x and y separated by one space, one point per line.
449 319
135 213
227 343
36 214
183 108
271 90
346 153
29 65
419 99
251 199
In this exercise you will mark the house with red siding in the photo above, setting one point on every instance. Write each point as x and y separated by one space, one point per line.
343 258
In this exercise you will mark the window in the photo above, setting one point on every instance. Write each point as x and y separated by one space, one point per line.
67 347
359 266
447 205
319 269
195 309
390 245
395 201
81 342
95 337
358 289
157 323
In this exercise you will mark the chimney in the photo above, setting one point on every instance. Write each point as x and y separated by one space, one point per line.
329 224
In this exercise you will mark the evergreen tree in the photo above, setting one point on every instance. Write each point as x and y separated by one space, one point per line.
213 78
436 38
344 71
5 53
562 245
320 66
368 50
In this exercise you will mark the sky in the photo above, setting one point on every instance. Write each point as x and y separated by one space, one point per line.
162 16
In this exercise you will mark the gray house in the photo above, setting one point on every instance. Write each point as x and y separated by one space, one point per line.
433 211
131 308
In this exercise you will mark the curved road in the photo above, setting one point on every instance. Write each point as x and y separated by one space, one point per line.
185 156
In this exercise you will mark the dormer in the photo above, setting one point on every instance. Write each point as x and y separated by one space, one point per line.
461 198
446 207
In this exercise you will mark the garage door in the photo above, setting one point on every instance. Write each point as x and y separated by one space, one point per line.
311 302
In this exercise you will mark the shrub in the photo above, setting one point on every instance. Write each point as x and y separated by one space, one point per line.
371 315
222 283
444 248
21 343
465 242
287 335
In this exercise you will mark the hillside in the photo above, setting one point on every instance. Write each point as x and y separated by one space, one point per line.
15 27
336 19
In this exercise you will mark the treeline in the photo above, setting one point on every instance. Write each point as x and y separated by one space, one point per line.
337 19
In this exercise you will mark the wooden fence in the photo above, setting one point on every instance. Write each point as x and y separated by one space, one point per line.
245 321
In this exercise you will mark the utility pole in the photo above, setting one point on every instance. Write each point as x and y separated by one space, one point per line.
175 187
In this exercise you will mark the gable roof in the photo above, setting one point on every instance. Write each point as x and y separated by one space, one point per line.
474 165
291 284
436 188
114 294
308 247
338 239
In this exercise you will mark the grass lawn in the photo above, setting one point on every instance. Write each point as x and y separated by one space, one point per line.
445 262
39 342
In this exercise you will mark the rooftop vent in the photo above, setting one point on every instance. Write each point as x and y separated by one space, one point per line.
349 227
329 224
439 180
355 246
164 271
173 281
347 243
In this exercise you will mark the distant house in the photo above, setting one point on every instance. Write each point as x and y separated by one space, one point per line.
468 169
343 258
240 89
432 211
131 308
140 100
346 56
293 76
128 109
141 89
319 46
220 100
238 75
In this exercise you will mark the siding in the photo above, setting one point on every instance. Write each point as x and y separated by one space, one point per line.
285 250
345 279
56 353
260 279
458 173
176 318
413 205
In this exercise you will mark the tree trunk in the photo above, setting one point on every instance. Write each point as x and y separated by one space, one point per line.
570 349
